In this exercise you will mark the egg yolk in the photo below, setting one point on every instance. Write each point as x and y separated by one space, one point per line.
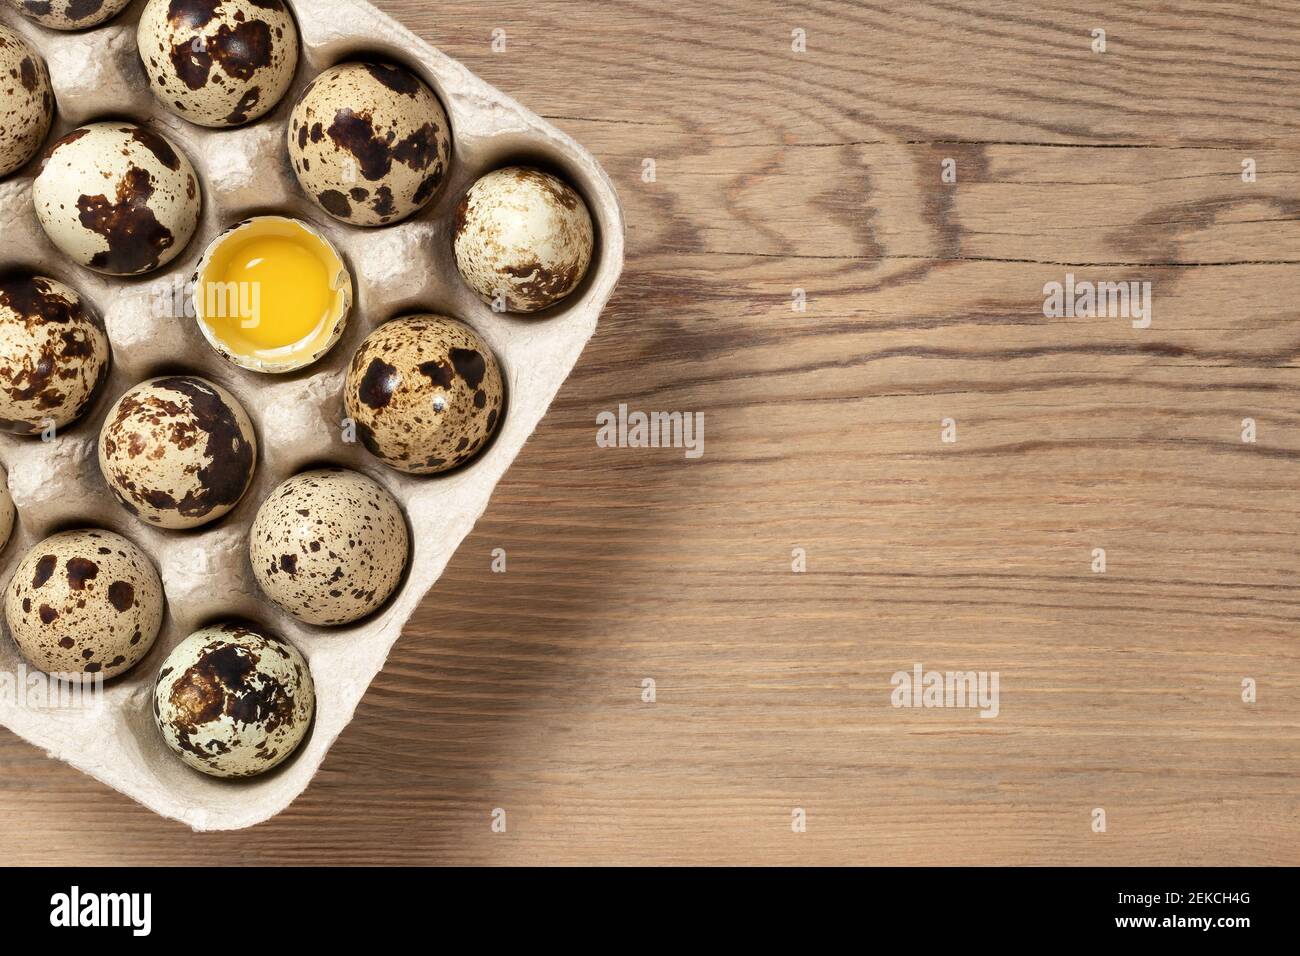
272 291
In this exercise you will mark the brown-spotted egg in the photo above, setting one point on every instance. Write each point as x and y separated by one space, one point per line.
118 198
7 510
82 603
233 702
369 142
178 451
425 393
26 102
218 62
522 238
69 14
54 355
328 546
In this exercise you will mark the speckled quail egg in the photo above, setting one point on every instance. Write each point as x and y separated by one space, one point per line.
425 393
218 62
69 14
178 451
118 198
328 546
54 355
370 143
26 102
524 236
84 602
233 702
7 511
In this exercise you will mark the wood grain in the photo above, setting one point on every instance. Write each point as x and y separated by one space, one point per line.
820 171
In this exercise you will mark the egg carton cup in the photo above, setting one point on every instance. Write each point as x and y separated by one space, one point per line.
57 485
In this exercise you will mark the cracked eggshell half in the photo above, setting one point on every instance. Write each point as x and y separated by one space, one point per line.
84 603
369 143
303 294
233 702
26 102
221 63
117 198
178 451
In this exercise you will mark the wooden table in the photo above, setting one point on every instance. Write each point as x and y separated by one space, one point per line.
774 171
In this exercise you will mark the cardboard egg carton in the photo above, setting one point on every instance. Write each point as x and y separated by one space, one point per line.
57 484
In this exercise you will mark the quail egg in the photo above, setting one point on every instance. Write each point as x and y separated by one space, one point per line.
83 603
7 512
218 62
328 546
272 294
26 102
54 354
118 198
233 702
178 451
370 143
425 393
69 14
523 238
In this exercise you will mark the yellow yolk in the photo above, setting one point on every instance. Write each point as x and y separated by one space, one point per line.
273 291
